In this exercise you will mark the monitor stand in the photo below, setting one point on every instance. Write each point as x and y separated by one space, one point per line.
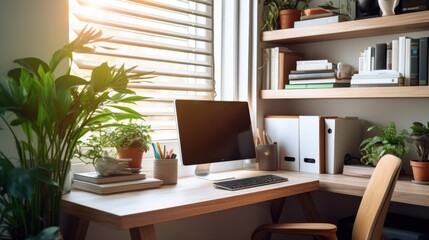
203 171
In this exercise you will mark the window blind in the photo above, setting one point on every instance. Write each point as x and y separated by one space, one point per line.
173 39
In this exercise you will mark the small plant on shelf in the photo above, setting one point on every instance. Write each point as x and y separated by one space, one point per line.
419 136
389 141
272 10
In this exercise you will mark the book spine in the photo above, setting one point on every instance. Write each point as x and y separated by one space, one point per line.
380 56
389 56
401 55
311 75
414 62
423 61
378 81
395 55
274 68
313 66
318 21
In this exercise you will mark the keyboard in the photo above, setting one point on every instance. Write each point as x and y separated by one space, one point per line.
242 183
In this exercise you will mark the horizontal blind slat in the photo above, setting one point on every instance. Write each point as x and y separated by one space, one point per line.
173 7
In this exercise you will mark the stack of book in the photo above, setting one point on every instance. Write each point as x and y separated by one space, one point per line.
378 78
92 182
317 17
315 74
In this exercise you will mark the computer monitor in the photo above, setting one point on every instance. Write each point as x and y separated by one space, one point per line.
213 131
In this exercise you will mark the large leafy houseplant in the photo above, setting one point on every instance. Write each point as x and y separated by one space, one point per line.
388 141
53 113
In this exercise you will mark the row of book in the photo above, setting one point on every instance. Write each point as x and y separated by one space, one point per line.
278 62
406 56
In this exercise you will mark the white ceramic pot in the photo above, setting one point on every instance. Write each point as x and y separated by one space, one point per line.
388 6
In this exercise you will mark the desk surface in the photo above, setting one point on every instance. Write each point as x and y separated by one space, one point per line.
191 196
405 190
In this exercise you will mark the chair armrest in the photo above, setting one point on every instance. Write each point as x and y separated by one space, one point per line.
312 229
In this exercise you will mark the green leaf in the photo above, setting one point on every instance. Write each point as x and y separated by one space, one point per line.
69 81
19 183
32 65
100 78
49 233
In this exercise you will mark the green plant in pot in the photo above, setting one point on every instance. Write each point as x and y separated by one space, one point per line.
419 136
282 13
131 141
48 111
388 141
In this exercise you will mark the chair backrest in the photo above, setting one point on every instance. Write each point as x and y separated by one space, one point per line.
375 201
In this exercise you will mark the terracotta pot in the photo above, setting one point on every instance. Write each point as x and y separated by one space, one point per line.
420 171
135 154
288 17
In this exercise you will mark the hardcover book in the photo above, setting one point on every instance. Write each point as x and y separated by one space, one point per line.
319 80
116 187
320 21
93 177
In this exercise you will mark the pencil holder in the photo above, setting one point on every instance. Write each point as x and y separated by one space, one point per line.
165 170
266 155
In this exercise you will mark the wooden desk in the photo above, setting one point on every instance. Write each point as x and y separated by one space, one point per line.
405 191
138 211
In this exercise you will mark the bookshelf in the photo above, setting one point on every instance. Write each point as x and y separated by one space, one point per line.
404 23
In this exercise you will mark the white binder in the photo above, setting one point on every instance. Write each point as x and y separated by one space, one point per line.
285 131
311 144
342 136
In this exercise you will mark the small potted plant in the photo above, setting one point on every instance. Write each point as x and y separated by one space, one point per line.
419 136
389 141
131 141
287 11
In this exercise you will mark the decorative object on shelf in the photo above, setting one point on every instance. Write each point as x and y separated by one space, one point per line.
344 70
389 141
273 9
387 7
419 136
367 8
342 9
53 113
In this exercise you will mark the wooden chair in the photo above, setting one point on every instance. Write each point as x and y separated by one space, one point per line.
370 216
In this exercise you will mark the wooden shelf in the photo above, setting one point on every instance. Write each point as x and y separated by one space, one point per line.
352 93
410 22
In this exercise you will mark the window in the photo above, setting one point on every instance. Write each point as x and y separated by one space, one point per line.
172 38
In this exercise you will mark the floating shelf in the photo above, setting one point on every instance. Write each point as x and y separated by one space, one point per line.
410 22
356 93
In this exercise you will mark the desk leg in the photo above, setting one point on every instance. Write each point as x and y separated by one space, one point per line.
276 209
76 228
310 209
143 233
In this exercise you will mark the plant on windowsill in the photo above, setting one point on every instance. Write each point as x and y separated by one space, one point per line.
282 13
419 136
53 113
389 141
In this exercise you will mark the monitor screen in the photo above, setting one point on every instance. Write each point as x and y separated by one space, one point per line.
214 131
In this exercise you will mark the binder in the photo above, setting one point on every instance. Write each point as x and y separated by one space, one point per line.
285 131
312 144
342 136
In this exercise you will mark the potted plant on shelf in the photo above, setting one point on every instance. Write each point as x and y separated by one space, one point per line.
389 141
419 136
282 13
52 113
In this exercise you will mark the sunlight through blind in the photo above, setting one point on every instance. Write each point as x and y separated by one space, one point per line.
172 38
